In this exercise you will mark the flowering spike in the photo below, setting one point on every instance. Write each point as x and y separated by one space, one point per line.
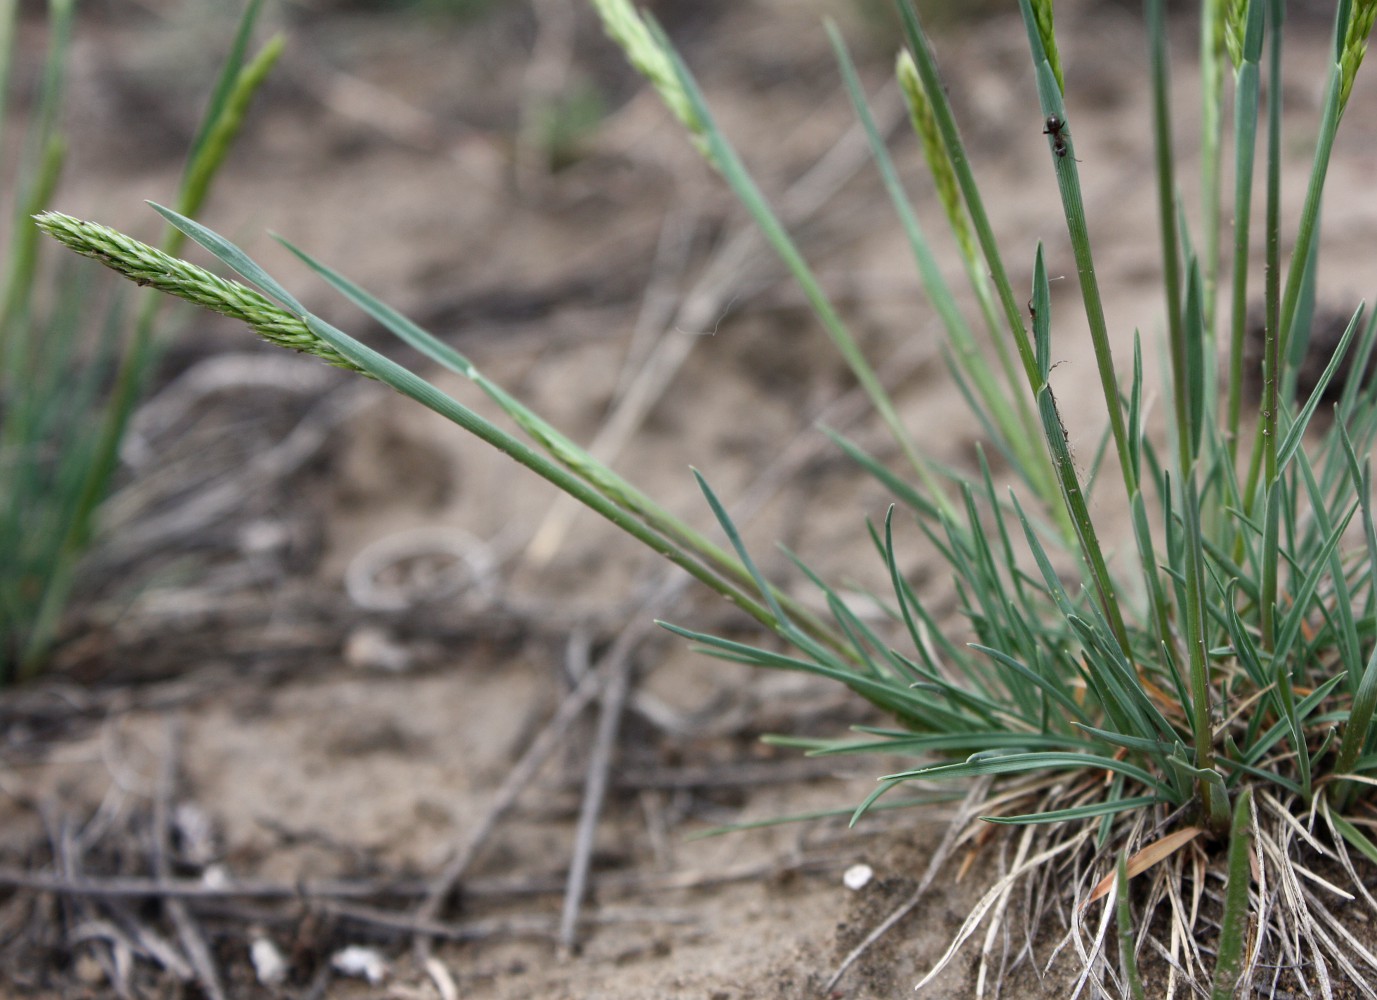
145 265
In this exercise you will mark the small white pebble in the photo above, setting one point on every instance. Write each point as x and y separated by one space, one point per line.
371 648
857 877
196 834
263 537
361 963
268 963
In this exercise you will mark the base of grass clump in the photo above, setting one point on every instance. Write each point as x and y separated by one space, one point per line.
1052 913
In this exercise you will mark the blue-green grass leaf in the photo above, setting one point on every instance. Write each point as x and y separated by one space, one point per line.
906 704
1016 763
233 257
922 744
936 798
1311 577
1111 807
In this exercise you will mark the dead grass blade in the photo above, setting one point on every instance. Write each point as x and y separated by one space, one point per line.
1153 854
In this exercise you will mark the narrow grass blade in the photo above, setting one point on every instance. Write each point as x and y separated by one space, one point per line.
1059 446
1123 917
1287 449
1000 763
1355 837
40 164
926 744
232 257
223 120
1201 688
1046 685
8 10
1310 578
1062 150
911 707
1109 807
1233 934
224 84
1165 173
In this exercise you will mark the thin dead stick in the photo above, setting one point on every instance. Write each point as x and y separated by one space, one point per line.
518 779
133 887
660 298
157 948
130 887
121 950
617 668
193 942
441 979
544 928
969 807
997 916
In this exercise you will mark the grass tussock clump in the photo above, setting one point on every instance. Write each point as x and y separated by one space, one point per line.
1171 739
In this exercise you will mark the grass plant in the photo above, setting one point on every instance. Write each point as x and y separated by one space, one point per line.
73 361
1181 731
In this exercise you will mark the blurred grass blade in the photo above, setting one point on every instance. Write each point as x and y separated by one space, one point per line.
1123 918
1233 934
220 96
1246 100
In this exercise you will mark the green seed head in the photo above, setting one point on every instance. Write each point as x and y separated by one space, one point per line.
145 265
625 27
1234 14
1355 46
1042 14
934 150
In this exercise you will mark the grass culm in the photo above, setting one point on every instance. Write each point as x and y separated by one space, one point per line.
1171 741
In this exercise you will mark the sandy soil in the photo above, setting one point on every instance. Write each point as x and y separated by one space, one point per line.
318 644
